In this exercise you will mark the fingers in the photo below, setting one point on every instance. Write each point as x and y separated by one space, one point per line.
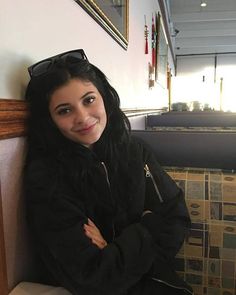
91 232
96 239
91 223
101 243
94 234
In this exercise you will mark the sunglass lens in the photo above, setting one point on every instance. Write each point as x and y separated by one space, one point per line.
44 66
41 67
72 56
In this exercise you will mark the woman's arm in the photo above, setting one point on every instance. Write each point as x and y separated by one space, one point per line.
168 205
75 259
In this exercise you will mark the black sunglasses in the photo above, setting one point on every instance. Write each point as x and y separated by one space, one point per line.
44 66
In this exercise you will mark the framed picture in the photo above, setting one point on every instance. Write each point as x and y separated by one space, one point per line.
161 53
112 15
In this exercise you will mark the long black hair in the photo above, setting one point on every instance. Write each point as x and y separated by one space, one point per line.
45 137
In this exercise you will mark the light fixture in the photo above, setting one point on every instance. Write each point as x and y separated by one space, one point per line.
203 3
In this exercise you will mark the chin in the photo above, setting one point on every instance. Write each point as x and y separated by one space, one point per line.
88 143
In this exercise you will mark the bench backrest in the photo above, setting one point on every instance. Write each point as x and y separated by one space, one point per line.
192 119
15 258
204 149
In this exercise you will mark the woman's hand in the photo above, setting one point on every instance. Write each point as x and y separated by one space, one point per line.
94 234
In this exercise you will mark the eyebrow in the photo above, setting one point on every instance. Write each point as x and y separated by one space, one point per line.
66 104
61 105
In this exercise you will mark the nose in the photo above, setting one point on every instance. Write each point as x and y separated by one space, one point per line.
81 115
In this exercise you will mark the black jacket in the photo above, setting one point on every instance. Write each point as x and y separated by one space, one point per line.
65 189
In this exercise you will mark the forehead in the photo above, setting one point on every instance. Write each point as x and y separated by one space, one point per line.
74 89
75 86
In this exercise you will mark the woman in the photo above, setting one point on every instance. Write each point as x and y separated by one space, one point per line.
105 217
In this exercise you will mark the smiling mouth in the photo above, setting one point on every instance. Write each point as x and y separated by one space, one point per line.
86 129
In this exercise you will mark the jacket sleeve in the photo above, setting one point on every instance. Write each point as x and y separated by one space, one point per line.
57 223
166 200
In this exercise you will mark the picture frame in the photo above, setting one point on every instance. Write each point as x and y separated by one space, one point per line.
112 15
161 53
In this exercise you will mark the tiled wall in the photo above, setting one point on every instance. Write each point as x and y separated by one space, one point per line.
207 260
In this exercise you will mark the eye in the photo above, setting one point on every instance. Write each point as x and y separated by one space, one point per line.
63 111
89 99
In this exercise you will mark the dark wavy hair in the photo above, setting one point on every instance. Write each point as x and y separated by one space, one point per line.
43 135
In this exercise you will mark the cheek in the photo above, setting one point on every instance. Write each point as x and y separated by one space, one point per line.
58 121
103 116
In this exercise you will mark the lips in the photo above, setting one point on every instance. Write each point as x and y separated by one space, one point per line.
86 129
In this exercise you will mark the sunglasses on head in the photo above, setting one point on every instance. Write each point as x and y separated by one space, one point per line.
44 66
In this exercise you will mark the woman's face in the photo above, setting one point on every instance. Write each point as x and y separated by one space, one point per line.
78 111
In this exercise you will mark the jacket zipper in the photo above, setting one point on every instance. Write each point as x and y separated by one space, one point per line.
172 286
106 172
149 174
109 185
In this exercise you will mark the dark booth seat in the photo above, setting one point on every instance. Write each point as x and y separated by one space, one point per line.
205 149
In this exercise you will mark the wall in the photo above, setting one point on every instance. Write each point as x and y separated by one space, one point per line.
208 79
31 30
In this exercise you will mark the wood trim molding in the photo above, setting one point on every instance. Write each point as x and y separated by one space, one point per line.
13 116
166 26
3 266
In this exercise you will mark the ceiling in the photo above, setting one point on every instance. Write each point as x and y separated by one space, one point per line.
211 29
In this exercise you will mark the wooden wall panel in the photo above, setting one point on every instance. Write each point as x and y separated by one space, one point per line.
13 116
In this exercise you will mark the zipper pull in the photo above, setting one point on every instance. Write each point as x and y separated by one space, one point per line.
148 173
